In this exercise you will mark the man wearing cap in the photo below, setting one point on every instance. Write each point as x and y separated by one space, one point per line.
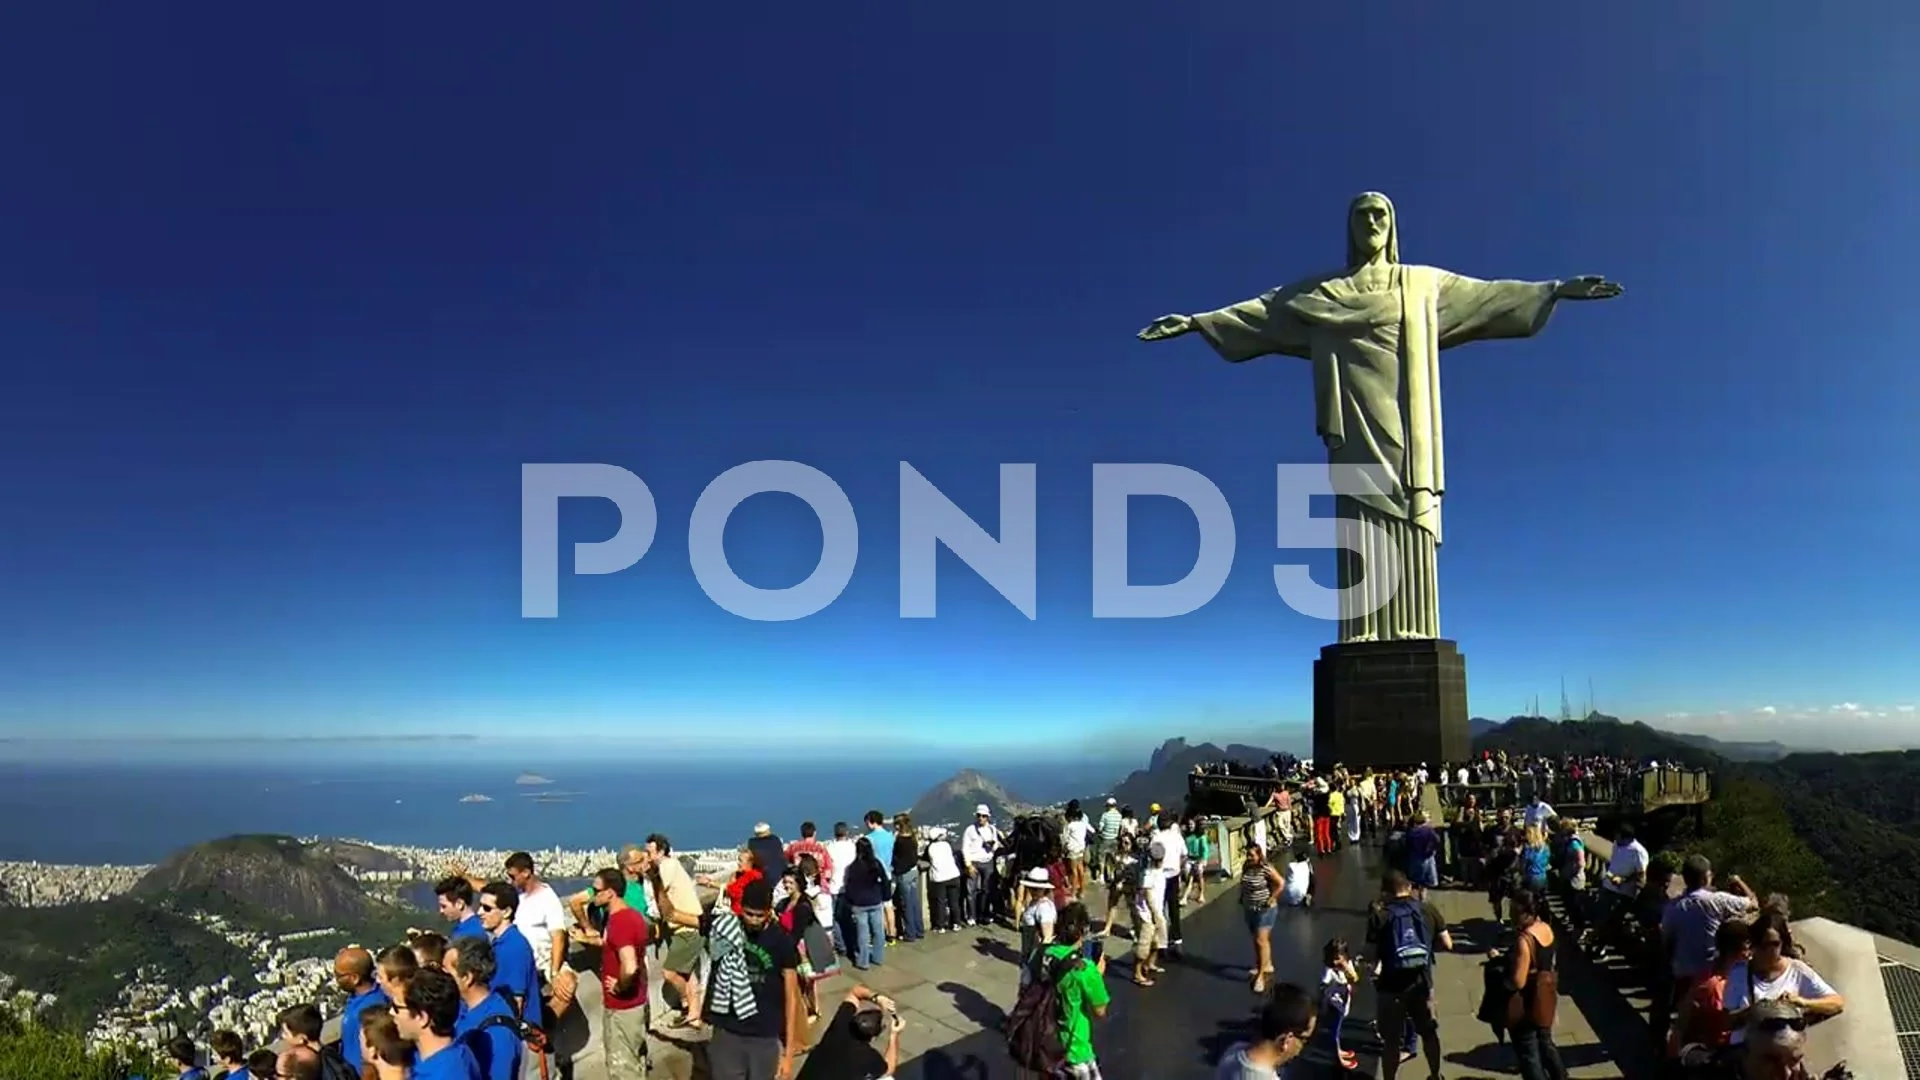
977 846
1108 840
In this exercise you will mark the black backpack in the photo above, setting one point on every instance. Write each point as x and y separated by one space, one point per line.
335 1067
1033 1027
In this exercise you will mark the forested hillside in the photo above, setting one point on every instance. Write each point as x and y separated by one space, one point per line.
1839 833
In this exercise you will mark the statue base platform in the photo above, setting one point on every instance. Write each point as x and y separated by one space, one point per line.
1390 703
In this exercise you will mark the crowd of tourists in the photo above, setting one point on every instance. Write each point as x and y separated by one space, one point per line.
1732 996
743 965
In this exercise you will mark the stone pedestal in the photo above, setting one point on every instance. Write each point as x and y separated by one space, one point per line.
1390 703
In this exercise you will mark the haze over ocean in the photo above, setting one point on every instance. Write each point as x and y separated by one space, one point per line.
130 813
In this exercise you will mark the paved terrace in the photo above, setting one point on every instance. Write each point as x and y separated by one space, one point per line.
954 988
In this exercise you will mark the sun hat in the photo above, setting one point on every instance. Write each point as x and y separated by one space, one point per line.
1037 878
982 811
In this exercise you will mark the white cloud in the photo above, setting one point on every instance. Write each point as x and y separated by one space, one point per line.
1678 715
1766 710
1903 708
1846 707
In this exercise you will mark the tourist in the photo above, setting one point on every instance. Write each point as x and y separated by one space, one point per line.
748 870
516 974
866 888
1260 889
623 977
845 1050
882 840
1323 1056
1539 812
1771 972
809 844
264 1063
426 1019
1423 853
803 914
769 851
678 903
299 1063
1320 799
384 1050
1701 1032
978 845
1691 922
454 895
1149 913
1405 932
1535 859
353 972
1336 811
910 923
1626 873
542 919
943 882
1076 838
1109 841
1082 991
840 850
1038 915
301 1026
1281 1031
1533 979
591 916
1199 855
185 1058
429 948
230 1055
1166 890
487 1025
1298 891
1352 806
396 966
754 1004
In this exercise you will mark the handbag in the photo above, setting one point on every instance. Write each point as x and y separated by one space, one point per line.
1537 1003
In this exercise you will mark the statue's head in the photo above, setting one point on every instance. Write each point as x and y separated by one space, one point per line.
1371 229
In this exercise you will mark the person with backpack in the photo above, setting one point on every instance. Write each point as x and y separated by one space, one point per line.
488 1025
1050 1031
300 1026
1405 931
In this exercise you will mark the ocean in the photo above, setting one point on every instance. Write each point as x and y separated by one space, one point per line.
133 813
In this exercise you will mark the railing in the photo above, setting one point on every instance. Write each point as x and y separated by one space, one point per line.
1647 790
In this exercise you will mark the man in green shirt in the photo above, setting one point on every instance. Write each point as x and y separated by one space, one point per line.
592 917
1083 993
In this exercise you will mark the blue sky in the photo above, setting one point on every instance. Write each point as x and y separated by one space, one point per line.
288 299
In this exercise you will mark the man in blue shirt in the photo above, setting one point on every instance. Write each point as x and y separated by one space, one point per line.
455 895
515 973
229 1053
426 1019
353 970
495 1045
883 850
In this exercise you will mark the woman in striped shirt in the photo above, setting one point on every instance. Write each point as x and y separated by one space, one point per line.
1260 886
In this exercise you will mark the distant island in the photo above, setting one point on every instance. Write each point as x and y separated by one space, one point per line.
531 779
476 797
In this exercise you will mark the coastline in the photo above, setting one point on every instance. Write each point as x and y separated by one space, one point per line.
29 883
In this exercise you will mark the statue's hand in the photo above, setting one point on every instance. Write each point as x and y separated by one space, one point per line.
1167 326
1587 287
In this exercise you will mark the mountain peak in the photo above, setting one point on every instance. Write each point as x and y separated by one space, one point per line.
953 800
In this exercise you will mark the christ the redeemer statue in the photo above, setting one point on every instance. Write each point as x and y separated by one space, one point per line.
1374 332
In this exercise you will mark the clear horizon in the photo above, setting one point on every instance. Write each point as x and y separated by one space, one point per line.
294 303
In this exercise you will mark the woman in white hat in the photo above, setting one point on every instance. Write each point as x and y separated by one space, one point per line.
1037 915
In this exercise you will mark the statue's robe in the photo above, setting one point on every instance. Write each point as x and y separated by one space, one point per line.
1374 337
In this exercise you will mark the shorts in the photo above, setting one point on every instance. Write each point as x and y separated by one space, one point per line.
1259 919
1080 858
683 953
1086 1070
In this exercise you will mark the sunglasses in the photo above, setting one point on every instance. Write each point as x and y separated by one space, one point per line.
488 907
1778 1024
